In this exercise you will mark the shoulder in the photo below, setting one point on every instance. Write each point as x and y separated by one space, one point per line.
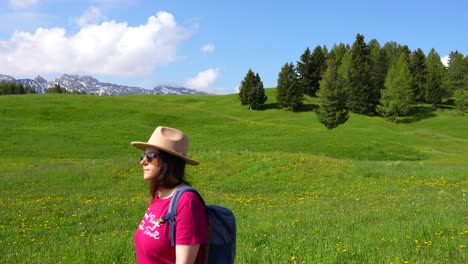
191 201
190 196
191 205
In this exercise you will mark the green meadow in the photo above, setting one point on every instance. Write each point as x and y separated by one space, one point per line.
370 191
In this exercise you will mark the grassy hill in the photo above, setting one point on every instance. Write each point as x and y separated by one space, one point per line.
369 191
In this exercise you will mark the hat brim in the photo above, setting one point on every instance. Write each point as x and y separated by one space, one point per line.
144 146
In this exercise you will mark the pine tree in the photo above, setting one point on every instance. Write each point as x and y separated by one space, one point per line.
310 69
11 88
361 90
343 72
465 81
14 88
283 84
246 86
19 89
418 72
257 95
289 91
405 50
332 96
461 97
397 96
338 52
435 74
378 70
295 96
392 49
30 90
305 70
456 73
57 89
319 66
3 88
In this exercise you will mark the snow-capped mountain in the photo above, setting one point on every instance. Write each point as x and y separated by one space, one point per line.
165 89
91 85
6 78
39 84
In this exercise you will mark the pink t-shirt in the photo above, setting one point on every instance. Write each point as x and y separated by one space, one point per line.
152 238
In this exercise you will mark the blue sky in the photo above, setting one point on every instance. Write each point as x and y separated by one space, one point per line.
207 45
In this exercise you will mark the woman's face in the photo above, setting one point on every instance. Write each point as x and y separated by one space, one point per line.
150 163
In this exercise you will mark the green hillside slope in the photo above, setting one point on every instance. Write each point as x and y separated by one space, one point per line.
49 125
370 191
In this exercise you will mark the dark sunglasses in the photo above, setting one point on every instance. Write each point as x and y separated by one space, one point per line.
149 156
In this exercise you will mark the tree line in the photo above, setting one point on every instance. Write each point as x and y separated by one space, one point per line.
364 78
18 88
15 88
62 90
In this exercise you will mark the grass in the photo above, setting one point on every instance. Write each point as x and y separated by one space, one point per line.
369 191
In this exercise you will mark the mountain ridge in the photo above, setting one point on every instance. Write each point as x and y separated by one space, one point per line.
91 85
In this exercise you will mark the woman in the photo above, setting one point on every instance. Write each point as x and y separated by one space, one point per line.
163 165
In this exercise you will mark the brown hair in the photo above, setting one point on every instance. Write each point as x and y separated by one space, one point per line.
171 173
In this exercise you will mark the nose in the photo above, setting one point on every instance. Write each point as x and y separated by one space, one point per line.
143 161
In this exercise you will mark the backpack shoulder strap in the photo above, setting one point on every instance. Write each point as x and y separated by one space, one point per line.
172 211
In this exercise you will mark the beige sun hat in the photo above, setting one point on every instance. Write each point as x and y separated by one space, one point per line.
170 140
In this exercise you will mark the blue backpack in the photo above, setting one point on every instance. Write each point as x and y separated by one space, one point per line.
221 245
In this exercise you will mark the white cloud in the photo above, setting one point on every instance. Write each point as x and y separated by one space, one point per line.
17 4
445 60
92 15
208 48
203 79
110 48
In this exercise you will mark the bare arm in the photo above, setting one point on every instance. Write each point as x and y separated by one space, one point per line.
186 254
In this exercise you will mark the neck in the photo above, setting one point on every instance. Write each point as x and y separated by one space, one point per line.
166 193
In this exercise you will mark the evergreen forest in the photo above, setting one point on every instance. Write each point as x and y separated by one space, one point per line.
365 78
